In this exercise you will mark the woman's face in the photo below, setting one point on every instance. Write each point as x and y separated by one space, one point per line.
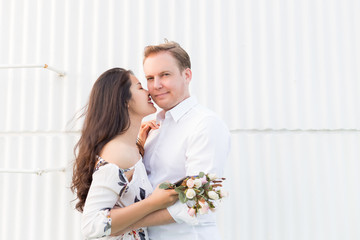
140 102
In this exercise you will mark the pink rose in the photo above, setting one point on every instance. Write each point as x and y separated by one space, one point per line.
223 193
204 208
203 180
191 212
190 183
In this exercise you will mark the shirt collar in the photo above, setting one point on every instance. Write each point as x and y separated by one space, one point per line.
179 110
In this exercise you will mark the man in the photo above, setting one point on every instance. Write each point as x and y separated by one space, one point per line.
190 139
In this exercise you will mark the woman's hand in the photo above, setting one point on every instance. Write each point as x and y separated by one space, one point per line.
162 198
145 129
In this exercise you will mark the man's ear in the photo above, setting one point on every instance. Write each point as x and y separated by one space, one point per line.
188 75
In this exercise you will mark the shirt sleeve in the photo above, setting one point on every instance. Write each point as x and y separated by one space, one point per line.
179 212
208 147
102 196
207 151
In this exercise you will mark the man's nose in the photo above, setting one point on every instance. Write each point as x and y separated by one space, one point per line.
157 83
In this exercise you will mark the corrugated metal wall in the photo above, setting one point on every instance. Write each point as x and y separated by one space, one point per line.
284 75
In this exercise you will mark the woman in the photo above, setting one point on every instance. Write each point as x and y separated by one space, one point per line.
109 177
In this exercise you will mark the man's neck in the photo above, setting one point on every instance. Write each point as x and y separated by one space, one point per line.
188 96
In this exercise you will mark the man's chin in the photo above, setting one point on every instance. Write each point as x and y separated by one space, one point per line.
164 107
161 104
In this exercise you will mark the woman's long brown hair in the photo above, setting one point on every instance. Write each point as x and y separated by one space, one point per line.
106 115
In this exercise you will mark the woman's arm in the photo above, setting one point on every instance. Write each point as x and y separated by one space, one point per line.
159 217
97 218
142 213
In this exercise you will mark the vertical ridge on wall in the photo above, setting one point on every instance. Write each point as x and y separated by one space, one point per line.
260 65
297 172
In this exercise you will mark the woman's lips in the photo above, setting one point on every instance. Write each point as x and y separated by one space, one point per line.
150 101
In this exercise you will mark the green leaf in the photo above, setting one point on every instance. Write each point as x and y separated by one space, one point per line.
179 189
164 185
182 197
201 174
182 187
201 191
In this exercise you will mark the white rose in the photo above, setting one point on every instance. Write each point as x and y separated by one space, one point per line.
197 183
213 195
212 176
190 193
190 183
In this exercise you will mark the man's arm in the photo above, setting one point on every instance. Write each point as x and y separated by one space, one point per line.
208 147
207 150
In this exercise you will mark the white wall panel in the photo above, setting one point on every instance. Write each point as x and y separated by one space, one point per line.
265 66
293 186
37 206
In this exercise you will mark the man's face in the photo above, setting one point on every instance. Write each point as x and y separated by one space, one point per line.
166 84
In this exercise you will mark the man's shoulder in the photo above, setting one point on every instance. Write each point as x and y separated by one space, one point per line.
205 114
202 118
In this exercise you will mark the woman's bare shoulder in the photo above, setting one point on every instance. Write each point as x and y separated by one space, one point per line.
119 154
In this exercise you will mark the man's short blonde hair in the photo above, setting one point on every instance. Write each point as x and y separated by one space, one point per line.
174 49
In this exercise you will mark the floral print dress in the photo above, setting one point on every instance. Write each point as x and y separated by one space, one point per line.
111 189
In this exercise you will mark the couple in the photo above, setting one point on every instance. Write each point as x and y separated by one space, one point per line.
114 174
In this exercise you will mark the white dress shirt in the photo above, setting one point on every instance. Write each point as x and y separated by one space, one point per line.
191 139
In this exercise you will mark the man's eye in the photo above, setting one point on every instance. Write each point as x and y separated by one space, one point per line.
150 78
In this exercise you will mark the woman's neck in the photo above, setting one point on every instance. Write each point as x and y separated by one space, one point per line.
131 134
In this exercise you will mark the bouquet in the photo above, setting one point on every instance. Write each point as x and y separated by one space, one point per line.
200 192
